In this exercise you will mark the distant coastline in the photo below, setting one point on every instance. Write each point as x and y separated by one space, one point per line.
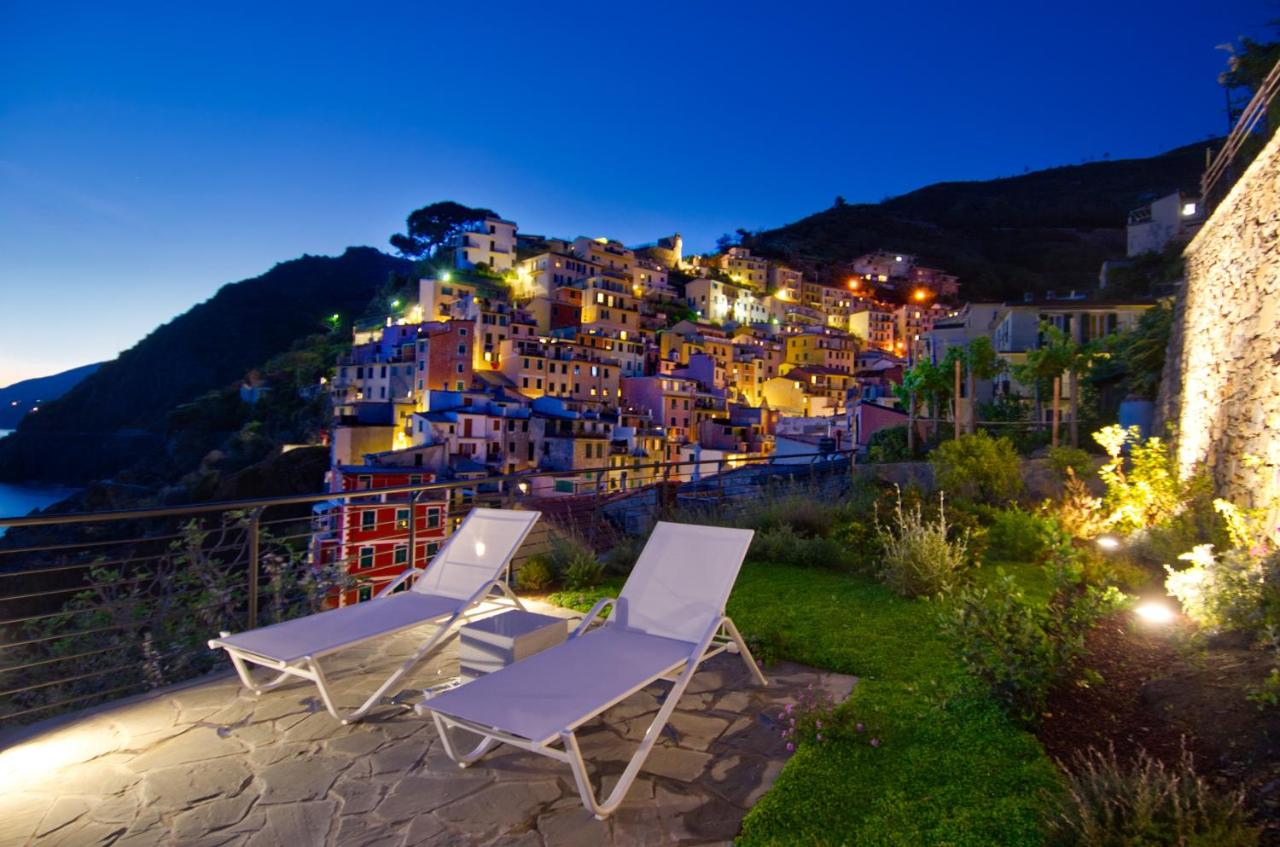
17 499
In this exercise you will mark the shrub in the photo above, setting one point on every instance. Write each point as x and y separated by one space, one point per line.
1079 512
919 558
1021 647
1149 492
1231 590
805 512
888 445
1071 460
979 468
582 573
860 543
622 556
575 563
782 545
1018 536
535 574
1110 805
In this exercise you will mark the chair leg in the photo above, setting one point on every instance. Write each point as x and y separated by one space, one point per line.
246 676
506 589
745 653
377 697
443 729
603 809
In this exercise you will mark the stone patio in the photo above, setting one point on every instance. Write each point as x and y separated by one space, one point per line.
210 764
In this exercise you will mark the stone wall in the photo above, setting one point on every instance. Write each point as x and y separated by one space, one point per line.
1221 385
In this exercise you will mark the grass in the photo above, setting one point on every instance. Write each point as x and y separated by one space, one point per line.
952 769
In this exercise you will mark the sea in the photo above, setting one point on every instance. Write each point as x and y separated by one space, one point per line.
17 499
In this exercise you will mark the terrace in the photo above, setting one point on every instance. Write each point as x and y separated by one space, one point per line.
209 763
117 726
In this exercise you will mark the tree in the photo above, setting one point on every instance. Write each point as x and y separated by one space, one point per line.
1246 70
431 226
1059 355
980 362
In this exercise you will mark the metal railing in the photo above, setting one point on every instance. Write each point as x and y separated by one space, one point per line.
1212 186
96 606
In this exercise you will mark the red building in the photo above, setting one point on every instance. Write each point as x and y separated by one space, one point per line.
368 537
445 356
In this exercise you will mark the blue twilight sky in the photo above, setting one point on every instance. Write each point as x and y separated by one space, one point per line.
151 152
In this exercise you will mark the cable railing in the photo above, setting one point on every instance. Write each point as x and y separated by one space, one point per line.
102 605
1212 185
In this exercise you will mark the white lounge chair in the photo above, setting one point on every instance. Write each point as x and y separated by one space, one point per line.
456 585
668 619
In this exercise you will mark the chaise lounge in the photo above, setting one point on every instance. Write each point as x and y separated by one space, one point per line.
668 619
459 583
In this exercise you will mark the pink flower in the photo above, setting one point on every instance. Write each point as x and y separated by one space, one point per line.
819 736
790 706
790 747
875 742
859 727
818 724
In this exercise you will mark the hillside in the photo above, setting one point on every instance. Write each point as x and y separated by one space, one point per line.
1043 230
21 397
117 417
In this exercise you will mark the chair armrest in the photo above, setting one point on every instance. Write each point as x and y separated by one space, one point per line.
592 615
404 576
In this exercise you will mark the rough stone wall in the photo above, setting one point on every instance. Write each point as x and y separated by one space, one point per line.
1221 386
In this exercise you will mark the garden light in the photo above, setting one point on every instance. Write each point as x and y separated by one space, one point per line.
1156 613
1108 542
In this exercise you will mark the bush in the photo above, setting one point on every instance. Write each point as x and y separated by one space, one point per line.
806 513
979 468
860 543
622 556
1021 647
1018 536
535 574
919 558
1149 492
782 545
575 563
582 573
888 445
1238 589
1071 461
1079 512
1110 805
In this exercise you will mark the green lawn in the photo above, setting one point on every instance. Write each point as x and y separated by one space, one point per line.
952 770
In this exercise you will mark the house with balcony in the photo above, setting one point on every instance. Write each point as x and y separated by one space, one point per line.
491 243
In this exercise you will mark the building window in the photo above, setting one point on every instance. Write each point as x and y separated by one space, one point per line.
364 593
401 554
433 518
433 547
366 558
402 518
368 519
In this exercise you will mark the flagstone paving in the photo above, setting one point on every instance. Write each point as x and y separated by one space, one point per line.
210 764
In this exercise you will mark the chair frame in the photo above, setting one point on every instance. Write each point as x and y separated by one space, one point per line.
721 636
475 607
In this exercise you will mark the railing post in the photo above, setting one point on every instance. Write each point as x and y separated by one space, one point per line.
720 482
255 521
413 529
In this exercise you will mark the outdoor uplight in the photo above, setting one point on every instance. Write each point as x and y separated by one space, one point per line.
1108 542
524 487
1156 613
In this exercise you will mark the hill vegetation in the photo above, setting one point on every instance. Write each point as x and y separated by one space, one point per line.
21 397
1045 230
147 416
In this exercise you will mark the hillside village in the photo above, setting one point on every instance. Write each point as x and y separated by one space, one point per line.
596 364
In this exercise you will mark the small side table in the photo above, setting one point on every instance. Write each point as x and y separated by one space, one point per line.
493 643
